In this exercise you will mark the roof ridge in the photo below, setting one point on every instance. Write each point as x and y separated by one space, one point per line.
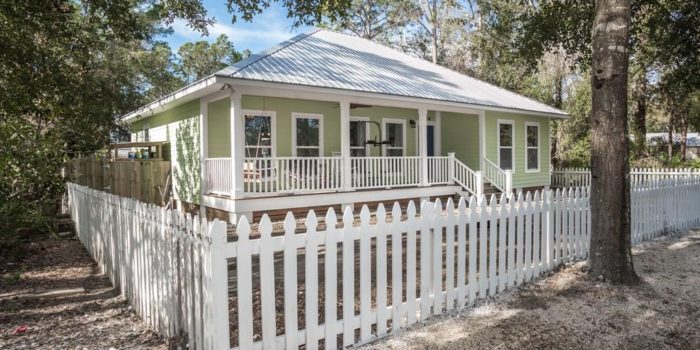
243 64
441 67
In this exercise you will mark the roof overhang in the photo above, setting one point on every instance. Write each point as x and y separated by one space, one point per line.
212 84
188 93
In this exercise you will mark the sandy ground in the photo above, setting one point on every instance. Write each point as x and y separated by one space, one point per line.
569 310
97 318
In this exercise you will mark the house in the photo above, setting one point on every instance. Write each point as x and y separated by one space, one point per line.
328 119
692 146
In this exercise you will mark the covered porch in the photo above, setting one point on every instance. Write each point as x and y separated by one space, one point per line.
292 143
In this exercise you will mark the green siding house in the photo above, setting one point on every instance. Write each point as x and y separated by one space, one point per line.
330 119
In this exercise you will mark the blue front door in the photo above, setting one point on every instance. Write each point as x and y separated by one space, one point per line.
431 142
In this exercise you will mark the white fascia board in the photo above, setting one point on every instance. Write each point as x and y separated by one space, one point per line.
191 92
275 89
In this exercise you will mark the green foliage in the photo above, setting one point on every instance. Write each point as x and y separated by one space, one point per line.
307 12
199 59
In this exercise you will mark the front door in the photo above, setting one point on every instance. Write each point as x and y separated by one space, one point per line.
431 141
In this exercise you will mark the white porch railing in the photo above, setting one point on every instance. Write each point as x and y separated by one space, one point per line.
469 179
439 170
219 179
319 174
292 174
383 172
499 178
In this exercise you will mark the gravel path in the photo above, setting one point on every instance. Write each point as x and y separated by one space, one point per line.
569 310
96 318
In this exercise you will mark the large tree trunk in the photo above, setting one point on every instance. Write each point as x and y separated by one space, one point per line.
640 114
684 136
611 255
670 140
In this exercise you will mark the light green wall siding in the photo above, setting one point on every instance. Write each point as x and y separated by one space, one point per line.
521 177
219 128
460 134
180 127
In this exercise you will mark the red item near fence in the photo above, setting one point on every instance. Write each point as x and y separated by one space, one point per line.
21 329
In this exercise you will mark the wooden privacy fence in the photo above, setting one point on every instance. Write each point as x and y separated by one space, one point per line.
572 177
335 282
144 180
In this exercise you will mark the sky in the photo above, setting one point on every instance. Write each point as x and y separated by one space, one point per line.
266 29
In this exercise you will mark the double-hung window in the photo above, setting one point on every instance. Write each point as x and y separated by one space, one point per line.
505 144
307 134
259 134
532 146
359 133
395 133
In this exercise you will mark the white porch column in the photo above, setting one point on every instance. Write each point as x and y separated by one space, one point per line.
437 133
203 150
423 145
482 139
237 145
346 175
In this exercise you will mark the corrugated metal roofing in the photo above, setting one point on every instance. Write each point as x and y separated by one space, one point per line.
330 59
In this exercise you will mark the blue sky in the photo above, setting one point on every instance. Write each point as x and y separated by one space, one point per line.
266 29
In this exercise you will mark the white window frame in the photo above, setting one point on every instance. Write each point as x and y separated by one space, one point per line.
367 134
512 142
273 125
300 115
386 121
527 148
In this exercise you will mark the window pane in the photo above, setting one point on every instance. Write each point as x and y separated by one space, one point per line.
532 132
258 130
308 132
506 134
307 152
358 152
506 159
358 133
258 152
532 159
394 152
394 133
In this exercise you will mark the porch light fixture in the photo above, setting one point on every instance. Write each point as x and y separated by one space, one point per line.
412 123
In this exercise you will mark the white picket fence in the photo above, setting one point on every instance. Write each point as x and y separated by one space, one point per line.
334 282
572 177
159 259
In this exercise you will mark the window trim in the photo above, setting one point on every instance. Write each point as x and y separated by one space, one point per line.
527 148
273 125
301 115
367 134
403 147
512 144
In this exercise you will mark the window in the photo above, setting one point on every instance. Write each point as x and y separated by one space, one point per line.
259 134
532 146
359 133
307 135
505 145
395 133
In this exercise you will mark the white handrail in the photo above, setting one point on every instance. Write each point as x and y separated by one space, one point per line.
469 179
383 172
499 178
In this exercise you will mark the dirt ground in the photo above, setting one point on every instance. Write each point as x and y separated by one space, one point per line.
569 310
96 318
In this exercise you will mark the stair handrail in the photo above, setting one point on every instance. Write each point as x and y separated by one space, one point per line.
499 178
469 179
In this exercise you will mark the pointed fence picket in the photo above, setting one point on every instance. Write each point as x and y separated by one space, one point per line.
329 282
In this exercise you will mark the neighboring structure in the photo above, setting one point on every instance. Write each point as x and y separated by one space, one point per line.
330 119
692 146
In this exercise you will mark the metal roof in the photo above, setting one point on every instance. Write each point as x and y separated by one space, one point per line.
328 59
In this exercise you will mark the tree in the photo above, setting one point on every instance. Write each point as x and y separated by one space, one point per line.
199 59
376 19
610 249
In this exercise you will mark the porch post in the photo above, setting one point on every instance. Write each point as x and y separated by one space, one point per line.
346 173
482 139
423 144
237 145
203 150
